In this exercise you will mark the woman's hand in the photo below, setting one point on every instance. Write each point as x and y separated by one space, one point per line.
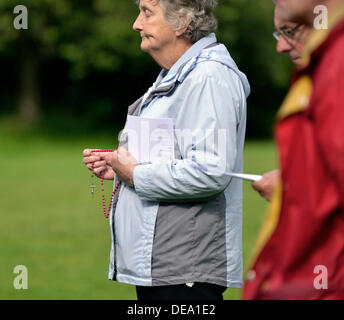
123 164
99 161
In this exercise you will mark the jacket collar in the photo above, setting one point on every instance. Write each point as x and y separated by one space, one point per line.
194 51
168 76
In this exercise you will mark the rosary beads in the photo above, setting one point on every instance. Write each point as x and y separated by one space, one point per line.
106 213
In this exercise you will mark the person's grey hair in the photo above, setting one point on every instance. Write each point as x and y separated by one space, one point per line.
197 15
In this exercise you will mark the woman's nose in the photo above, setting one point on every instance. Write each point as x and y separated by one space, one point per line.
137 26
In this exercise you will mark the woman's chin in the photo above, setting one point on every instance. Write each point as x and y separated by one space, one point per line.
145 45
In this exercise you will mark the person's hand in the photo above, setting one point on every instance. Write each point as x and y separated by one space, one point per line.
99 161
123 164
267 184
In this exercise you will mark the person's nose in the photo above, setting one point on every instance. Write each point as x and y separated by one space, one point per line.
283 46
138 26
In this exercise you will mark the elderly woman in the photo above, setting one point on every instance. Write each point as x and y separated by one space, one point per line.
176 226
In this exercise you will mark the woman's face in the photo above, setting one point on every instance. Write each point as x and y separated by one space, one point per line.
156 35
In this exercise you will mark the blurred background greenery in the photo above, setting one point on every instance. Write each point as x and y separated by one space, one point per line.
65 85
79 64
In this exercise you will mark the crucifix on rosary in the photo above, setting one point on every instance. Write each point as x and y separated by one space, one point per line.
92 186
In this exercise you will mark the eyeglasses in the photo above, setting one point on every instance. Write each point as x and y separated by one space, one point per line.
287 32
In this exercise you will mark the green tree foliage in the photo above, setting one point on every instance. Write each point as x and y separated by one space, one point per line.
88 34
88 51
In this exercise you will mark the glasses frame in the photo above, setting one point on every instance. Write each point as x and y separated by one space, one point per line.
287 33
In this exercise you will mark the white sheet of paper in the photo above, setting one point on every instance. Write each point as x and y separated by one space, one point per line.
244 176
150 139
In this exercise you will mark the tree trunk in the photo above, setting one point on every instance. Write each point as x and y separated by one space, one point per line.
29 110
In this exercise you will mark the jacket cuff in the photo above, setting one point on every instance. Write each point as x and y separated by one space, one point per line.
142 181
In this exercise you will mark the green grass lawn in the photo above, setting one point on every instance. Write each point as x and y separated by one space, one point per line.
50 223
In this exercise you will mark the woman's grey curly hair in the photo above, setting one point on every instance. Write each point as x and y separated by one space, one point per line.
197 15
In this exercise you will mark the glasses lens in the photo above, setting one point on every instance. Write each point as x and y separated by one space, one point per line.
290 32
276 35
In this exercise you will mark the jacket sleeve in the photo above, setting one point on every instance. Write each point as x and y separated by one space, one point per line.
208 115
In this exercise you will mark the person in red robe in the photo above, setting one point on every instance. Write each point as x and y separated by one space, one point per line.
291 38
299 253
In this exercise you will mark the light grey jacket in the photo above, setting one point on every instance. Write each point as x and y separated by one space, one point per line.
180 224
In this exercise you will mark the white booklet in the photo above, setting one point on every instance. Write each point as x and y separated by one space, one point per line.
150 139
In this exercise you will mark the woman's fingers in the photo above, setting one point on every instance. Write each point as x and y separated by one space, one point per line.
96 164
86 152
98 171
92 159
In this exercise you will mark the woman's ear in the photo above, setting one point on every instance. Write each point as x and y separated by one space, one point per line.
180 32
183 26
